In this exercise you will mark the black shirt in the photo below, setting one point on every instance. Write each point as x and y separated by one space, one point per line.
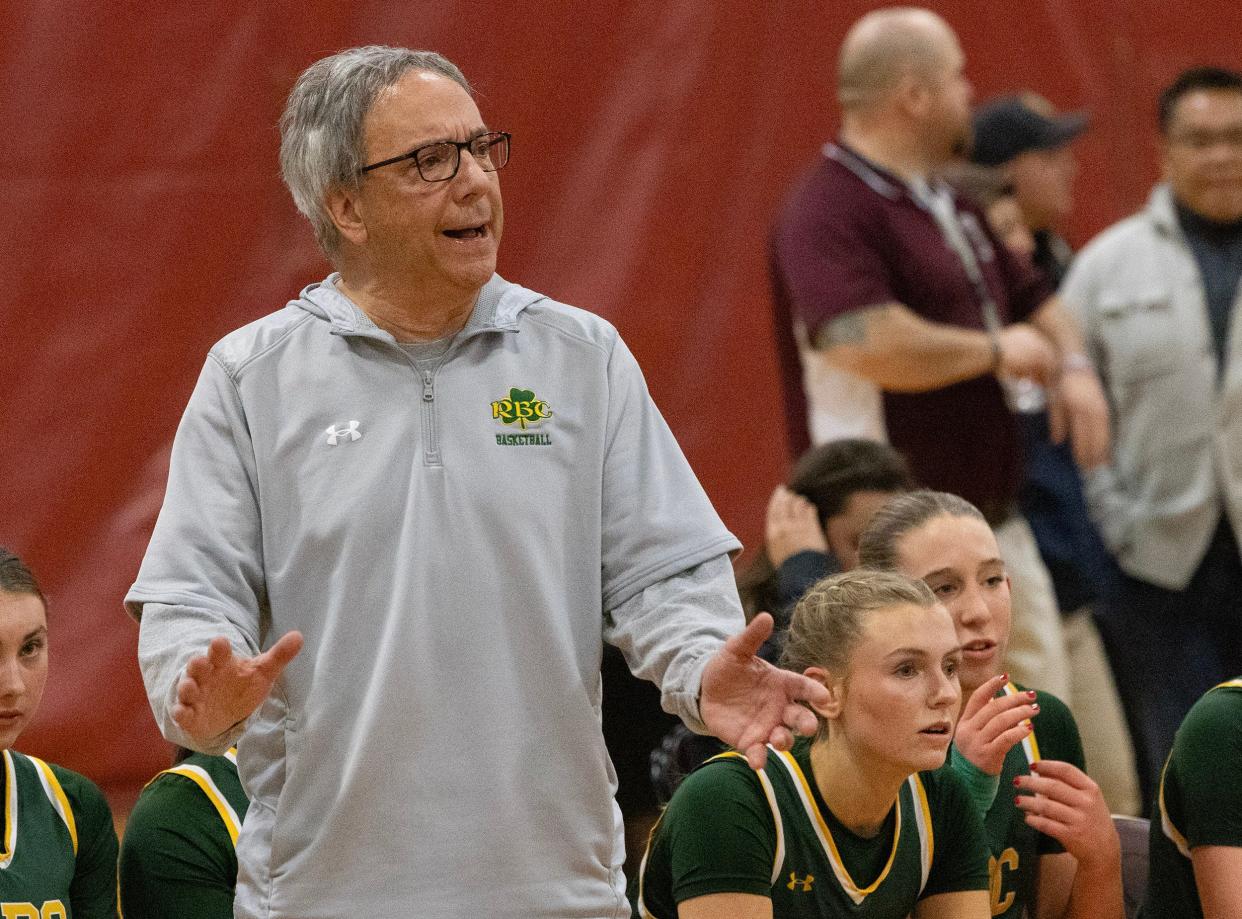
1218 250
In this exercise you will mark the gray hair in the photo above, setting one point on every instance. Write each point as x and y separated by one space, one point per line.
321 130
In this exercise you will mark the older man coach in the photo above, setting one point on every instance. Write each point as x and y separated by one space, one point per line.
402 513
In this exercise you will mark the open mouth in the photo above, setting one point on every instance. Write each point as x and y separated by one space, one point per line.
939 729
477 232
979 646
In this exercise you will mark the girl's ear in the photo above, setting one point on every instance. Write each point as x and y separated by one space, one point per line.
836 692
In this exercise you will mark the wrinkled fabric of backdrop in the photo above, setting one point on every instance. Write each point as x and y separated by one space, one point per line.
652 143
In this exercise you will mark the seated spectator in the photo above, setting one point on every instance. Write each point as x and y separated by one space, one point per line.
179 854
812 529
58 857
1055 844
858 821
1196 838
813 523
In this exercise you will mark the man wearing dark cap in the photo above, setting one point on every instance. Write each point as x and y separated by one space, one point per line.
1024 138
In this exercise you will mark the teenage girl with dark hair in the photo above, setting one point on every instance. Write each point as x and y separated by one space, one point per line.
58 854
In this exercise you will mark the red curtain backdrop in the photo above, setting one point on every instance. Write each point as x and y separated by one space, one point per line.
652 143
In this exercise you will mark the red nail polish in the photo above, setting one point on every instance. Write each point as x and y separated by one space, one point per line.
1017 800
1017 781
1030 694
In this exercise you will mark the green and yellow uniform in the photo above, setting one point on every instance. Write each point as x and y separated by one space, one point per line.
729 829
58 855
179 854
1199 803
1015 846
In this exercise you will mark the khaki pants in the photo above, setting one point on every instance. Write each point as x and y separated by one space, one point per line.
1101 721
1037 654
1065 657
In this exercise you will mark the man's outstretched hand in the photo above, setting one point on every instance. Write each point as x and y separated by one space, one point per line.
220 689
748 703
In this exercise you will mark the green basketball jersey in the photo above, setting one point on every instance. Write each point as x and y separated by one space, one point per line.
1199 803
58 854
730 829
179 854
1015 846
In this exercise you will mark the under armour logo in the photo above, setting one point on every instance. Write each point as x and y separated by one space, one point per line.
804 882
335 434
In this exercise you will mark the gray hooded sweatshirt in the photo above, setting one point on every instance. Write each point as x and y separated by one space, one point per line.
453 543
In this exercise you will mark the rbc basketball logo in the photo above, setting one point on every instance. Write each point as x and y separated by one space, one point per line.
521 408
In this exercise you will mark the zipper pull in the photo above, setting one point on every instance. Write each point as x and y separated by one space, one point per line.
428 390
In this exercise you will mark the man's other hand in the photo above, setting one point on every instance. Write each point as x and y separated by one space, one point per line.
219 689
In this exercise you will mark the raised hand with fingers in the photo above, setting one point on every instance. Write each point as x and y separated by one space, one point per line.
792 526
219 688
748 703
990 725
1063 802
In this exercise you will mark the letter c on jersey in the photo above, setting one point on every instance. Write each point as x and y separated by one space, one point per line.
1001 899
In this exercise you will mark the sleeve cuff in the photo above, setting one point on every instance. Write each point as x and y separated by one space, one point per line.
981 787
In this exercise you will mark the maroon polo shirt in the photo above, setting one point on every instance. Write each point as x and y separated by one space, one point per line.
852 236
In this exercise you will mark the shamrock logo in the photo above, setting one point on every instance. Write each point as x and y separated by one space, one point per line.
521 408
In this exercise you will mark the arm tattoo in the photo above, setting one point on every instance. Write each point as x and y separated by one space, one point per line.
847 329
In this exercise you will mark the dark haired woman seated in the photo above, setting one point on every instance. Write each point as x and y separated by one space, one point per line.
58 855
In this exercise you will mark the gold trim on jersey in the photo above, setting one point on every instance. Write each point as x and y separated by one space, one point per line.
770 793
10 811
643 912
852 890
1030 746
923 820
1171 832
1166 823
56 794
199 777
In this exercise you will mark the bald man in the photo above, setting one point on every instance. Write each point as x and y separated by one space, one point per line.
912 322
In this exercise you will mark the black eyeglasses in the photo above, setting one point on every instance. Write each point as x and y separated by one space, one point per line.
440 161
